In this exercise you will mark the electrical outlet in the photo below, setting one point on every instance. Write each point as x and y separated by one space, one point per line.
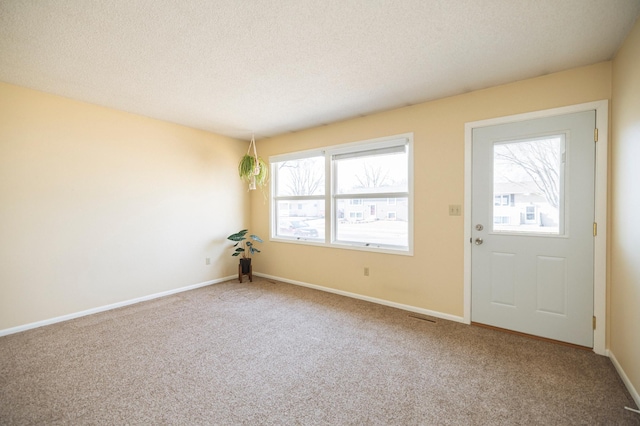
366 271
455 209
207 261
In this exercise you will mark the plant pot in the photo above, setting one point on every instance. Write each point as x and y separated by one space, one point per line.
245 265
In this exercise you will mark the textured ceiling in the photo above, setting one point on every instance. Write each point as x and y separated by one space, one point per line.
237 67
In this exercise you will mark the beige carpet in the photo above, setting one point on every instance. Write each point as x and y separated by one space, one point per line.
273 353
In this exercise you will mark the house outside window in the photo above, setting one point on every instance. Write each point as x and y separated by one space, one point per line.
501 200
346 191
502 220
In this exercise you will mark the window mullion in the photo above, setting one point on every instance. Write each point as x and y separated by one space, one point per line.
329 204
298 197
370 195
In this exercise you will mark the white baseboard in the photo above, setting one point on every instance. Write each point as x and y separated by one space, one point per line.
74 315
625 379
409 308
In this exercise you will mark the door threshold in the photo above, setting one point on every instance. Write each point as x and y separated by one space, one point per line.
531 336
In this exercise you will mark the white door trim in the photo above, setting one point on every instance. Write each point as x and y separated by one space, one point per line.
600 246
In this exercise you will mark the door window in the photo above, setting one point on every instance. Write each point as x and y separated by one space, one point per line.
528 185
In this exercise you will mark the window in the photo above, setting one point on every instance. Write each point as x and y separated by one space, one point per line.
528 185
299 182
345 191
501 200
531 214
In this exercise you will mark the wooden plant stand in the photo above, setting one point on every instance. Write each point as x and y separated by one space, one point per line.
250 273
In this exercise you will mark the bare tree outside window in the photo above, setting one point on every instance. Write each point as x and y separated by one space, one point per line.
373 176
539 161
527 176
302 177
363 174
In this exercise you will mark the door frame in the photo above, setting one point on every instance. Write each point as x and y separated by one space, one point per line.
600 241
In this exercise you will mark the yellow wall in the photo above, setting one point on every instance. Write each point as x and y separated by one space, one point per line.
624 249
99 206
432 279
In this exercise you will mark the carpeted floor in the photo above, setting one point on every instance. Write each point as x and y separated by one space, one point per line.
274 353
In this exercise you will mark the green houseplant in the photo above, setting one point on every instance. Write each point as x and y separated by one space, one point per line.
244 247
253 169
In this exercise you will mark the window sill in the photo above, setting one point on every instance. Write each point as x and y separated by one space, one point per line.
345 246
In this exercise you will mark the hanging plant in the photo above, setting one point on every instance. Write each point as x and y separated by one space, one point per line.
253 169
247 171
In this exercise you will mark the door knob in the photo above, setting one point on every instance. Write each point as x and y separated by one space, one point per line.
479 241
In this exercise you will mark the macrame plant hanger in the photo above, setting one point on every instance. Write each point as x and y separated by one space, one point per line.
256 168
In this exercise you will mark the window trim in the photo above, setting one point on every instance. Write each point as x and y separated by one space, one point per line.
330 195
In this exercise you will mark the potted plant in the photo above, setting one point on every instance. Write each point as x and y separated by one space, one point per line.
245 247
253 169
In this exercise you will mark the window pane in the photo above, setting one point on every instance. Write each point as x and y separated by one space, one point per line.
373 221
527 179
300 177
300 219
385 172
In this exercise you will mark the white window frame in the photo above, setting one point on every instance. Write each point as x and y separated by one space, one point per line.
330 196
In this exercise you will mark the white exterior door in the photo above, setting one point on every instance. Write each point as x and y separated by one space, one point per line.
532 211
